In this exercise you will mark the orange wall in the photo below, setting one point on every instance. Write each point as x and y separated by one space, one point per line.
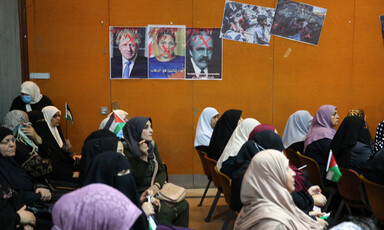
69 39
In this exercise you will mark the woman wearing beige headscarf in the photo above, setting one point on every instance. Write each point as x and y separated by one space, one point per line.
265 193
30 98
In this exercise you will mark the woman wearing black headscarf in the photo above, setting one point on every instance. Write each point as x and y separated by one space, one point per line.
17 179
222 132
351 144
148 169
375 168
113 169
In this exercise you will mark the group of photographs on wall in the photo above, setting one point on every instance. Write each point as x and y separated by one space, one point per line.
177 52
165 52
255 24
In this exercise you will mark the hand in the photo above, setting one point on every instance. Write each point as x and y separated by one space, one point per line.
144 150
316 213
148 209
75 175
156 202
319 200
28 227
313 190
145 194
322 223
26 217
31 133
67 145
45 194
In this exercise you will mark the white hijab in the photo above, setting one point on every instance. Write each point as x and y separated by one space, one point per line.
265 195
297 127
122 114
30 88
238 138
49 112
204 129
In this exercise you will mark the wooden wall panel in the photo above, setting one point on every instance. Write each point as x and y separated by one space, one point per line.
70 40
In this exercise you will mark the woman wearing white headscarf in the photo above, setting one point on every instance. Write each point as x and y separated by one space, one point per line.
122 114
238 138
30 98
204 129
265 193
61 159
296 130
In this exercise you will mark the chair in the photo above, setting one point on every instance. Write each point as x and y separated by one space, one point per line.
293 157
314 177
226 186
349 189
216 181
202 155
375 197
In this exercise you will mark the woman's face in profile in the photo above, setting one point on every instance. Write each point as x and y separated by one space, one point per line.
55 121
166 47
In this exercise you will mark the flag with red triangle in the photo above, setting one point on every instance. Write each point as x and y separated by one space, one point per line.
333 171
115 124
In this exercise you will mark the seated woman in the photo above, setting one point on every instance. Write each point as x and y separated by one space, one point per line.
296 130
148 169
16 177
113 169
30 98
265 193
122 114
32 152
62 160
222 132
204 129
238 138
96 206
375 168
304 198
97 142
320 135
351 144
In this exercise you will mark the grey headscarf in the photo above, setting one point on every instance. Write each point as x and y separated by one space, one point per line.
14 119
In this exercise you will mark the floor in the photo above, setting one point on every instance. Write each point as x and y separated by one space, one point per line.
198 214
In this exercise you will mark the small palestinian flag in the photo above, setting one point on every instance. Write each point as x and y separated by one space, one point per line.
333 171
68 114
115 124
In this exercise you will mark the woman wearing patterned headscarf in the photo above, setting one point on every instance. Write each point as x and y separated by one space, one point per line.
320 135
265 193
148 169
379 139
30 98
96 206
32 152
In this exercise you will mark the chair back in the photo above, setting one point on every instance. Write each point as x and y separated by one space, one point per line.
202 155
293 157
349 188
313 170
215 177
375 197
225 184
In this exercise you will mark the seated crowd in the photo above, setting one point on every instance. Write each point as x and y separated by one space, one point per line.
116 181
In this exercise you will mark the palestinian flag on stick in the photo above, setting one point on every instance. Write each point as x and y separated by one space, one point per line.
115 124
333 172
68 114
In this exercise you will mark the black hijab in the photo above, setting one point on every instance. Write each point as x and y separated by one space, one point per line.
263 140
91 149
99 134
113 169
351 130
15 175
35 116
223 130
132 135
